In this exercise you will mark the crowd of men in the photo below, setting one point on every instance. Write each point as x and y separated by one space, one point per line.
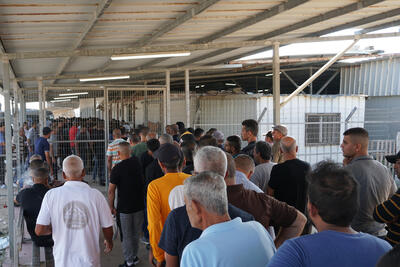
200 199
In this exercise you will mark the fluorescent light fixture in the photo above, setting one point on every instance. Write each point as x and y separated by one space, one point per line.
355 60
197 86
60 100
152 55
227 66
70 94
230 84
66 97
105 78
202 85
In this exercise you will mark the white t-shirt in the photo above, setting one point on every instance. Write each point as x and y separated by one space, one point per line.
76 213
176 197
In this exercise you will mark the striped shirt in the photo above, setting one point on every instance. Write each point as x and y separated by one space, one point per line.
113 151
389 212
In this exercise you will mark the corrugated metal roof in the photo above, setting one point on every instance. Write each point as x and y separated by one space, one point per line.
44 25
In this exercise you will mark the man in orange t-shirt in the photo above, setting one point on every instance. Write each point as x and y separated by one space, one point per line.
171 160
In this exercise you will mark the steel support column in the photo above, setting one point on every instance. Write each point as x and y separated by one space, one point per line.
187 97
17 126
107 133
276 85
8 150
41 104
168 93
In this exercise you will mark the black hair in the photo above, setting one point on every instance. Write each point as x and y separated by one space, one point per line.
46 130
134 138
41 173
153 145
191 130
391 258
263 149
269 134
235 142
358 131
180 124
188 148
187 137
207 140
198 132
251 126
334 192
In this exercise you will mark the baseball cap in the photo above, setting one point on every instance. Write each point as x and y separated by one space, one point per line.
168 153
393 158
282 129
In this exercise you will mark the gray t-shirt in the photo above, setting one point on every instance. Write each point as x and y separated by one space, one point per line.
241 178
376 186
262 174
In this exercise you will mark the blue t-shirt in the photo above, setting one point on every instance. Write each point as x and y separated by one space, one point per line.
178 232
2 140
232 243
331 249
42 146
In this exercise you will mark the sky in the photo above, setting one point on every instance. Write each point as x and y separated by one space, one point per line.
388 45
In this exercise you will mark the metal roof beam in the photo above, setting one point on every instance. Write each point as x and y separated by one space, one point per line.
97 14
12 72
329 15
380 27
189 47
189 14
239 26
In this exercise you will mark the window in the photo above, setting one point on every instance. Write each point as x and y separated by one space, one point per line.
322 129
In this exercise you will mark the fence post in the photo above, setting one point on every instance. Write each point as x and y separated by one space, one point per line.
106 132
8 147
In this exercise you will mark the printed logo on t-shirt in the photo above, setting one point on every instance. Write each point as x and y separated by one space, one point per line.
75 215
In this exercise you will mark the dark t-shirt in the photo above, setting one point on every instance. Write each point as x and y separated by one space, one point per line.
248 150
127 176
145 159
178 232
189 168
153 171
41 146
288 180
266 210
31 201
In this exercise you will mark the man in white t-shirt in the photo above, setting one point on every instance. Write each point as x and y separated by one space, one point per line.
74 214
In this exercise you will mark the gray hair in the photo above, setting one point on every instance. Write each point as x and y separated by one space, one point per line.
166 138
73 166
210 158
209 189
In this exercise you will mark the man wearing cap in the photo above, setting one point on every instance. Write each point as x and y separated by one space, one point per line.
42 147
278 131
389 211
171 160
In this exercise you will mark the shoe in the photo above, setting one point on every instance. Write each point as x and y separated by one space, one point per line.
135 261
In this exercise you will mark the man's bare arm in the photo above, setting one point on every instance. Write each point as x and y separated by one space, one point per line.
291 231
171 261
111 197
42 229
108 235
270 191
109 164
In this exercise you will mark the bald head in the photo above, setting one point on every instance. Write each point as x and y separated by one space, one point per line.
73 168
288 145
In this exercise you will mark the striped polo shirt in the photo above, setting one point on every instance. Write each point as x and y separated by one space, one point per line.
389 212
113 151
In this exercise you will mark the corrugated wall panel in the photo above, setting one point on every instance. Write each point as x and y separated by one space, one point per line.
375 78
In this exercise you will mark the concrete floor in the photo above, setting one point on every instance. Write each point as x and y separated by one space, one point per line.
113 259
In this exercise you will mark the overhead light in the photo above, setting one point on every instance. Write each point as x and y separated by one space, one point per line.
271 74
227 66
105 78
230 84
81 93
197 86
202 85
67 97
60 100
152 55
